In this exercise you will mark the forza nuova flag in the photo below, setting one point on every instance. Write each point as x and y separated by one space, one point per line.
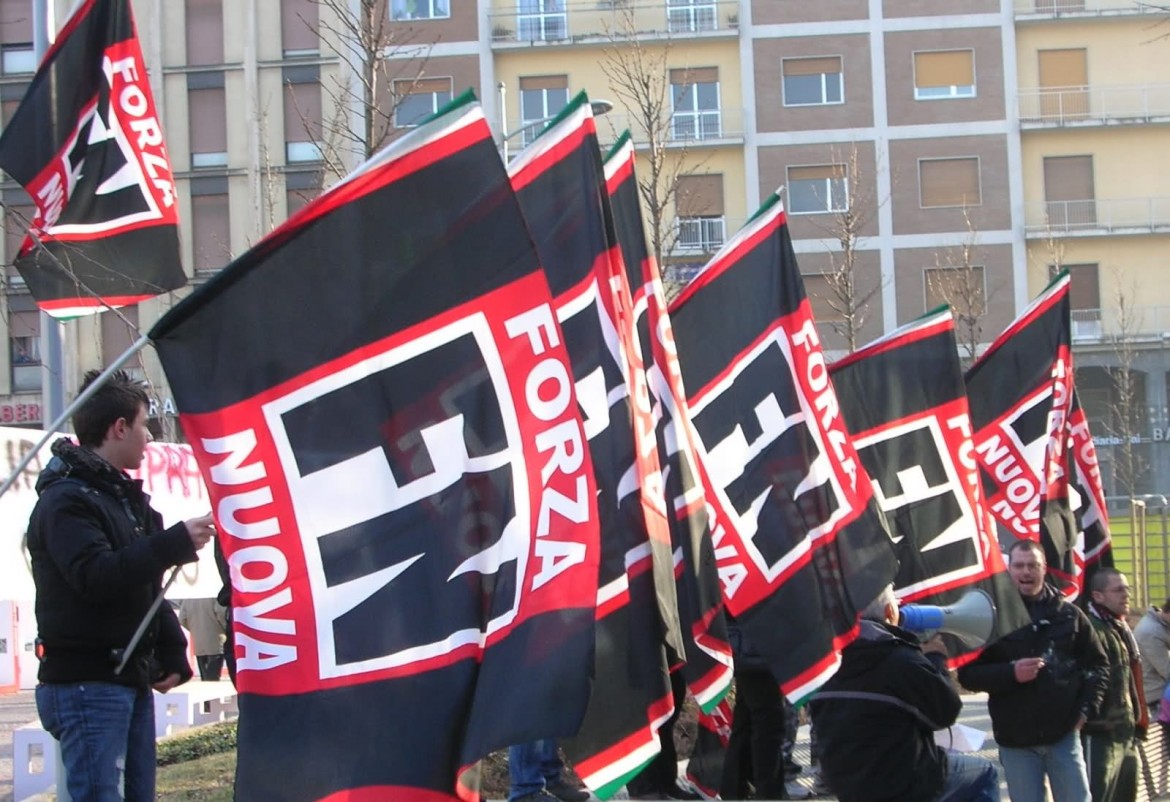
1020 391
904 401
560 185
386 422
1094 543
87 145
800 545
706 651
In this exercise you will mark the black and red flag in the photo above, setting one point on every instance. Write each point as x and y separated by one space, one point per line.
904 401
87 145
800 545
383 409
1020 392
560 184
707 654
1094 544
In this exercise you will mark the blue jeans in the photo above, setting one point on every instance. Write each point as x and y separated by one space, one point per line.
969 779
106 734
1024 769
533 765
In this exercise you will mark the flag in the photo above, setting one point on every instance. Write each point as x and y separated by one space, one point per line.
560 184
1020 392
800 545
87 145
706 662
904 401
1093 549
401 480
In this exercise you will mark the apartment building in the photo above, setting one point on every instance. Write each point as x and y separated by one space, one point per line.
973 144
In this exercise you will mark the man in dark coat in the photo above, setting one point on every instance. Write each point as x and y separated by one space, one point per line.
98 554
877 716
1044 682
1110 738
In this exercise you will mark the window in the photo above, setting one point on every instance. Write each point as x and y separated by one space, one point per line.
542 20
690 16
302 114
963 288
541 98
694 96
207 119
949 182
204 32
417 100
1069 191
1084 296
1064 79
813 81
24 342
420 9
18 214
17 59
817 189
299 26
942 74
211 231
300 188
700 224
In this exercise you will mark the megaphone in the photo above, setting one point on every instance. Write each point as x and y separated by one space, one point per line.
971 618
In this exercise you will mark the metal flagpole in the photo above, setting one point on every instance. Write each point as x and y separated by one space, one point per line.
138 345
52 352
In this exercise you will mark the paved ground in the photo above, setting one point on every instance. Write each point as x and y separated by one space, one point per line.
15 709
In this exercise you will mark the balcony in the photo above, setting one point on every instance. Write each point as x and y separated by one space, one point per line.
1073 9
1143 323
597 21
1094 218
1086 106
685 129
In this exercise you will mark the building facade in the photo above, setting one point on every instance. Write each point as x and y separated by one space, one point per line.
954 152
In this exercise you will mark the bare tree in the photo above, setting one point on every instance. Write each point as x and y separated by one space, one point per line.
382 62
1126 417
638 73
848 294
960 282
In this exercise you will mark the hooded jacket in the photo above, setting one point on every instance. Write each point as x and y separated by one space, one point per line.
1153 637
876 718
98 554
1071 684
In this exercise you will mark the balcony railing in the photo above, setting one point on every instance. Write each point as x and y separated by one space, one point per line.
1094 105
691 129
1047 9
1095 217
1101 325
598 20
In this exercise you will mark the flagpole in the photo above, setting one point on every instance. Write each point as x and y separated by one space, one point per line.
52 352
29 456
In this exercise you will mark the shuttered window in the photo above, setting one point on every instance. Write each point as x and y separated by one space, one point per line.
949 182
940 74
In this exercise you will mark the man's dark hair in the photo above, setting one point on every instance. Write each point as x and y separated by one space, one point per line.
119 396
1030 545
1101 578
1166 606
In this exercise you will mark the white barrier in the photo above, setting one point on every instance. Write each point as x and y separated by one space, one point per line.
36 762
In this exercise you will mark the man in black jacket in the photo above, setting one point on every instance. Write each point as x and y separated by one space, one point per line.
98 554
877 716
1044 682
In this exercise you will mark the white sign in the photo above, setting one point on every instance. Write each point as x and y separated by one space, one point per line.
169 474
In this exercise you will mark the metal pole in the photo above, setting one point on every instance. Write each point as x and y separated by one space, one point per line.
52 352
503 93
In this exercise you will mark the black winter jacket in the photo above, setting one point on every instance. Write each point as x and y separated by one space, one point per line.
98 554
1071 684
875 719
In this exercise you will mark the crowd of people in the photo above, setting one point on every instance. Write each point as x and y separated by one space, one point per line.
1070 696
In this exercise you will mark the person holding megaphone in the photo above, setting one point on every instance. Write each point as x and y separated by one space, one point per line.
876 719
